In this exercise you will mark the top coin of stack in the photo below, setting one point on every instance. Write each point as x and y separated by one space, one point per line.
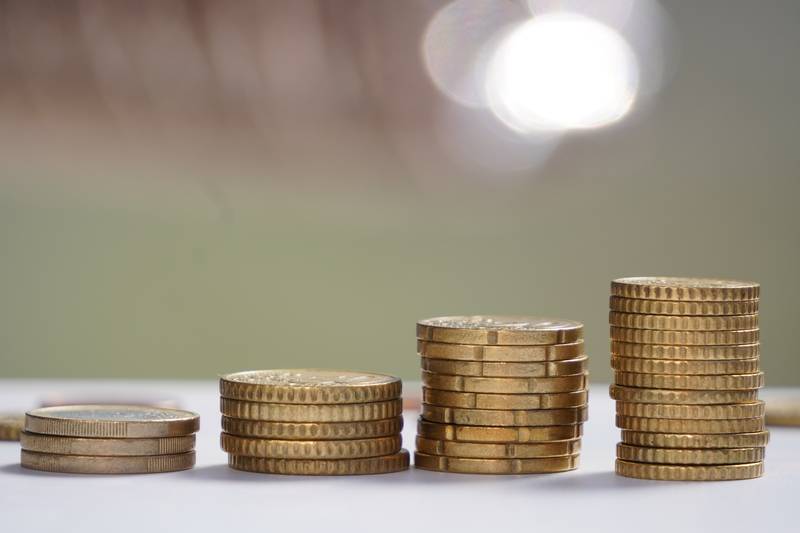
501 395
312 422
685 354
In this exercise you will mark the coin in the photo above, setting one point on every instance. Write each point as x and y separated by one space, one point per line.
287 412
90 464
309 386
667 381
11 425
703 412
684 397
703 338
684 289
510 434
317 467
310 449
689 473
678 440
783 412
472 400
572 383
728 456
497 451
683 323
114 421
502 330
520 354
461 465
106 447
676 425
667 307
669 366
312 430
687 353
492 417
507 370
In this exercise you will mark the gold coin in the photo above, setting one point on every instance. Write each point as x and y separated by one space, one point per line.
485 450
701 338
509 354
106 447
505 370
683 397
669 366
492 417
309 386
320 467
91 464
728 456
310 449
685 289
111 421
503 435
312 430
678 440
689 473
683 323
473 400
667 381
288 412
461 465
11 425
686 353
667 307
703 412
783 412
572 383
676 425
501 330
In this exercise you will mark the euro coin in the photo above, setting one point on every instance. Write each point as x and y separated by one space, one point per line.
89 464
783 412
484 450
718 412
668 366
700 338
461 465
487 434
474 400
111 421
284 412
11 425
487 417
499 330
493 369
727 456
305 449
675 425
106 447
685 289
684 440
312 430
689 473
672 307
683 397
519 354
667 381
683 323
686 353
316 467
571 383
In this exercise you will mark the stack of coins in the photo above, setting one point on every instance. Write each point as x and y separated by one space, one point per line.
501 395
109 439
685 354
312 422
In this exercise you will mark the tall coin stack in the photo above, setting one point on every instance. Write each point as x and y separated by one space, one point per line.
501 395
109 439
685 354
312 422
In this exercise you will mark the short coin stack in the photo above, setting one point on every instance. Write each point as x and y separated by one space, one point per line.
685 354
501 395
312 422
109 439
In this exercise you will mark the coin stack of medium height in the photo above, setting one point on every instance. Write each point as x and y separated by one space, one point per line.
685 353
109 439
502 395
312 422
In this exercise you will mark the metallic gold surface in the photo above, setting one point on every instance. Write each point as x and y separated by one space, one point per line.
285 412
315 467
88 464
572 383
683 397
672 456
676 425
667 381
669 366
689 473
312 430
685 289
11 425
494 369
111 421
473 400
106 447
310 449
700 338
686 353
683 323
684 440
309 386
487 417
702 412
667 307
499 330
503 435
460 465
485 450
783 411
519 354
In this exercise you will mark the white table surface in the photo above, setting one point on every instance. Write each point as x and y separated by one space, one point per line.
212 497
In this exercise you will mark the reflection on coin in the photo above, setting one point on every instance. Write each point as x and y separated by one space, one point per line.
310 449
510 434
493 417
11 425
312 430
676 382
684 289
727 456
689 473
667 307
683 323
702 412
496 369
123 421
684 397
520 354
676 425
315 467
668 366
474 400
699 338
87 464
571 383
485 450
460 465
684 440
685 353
286 412
499 330
106 447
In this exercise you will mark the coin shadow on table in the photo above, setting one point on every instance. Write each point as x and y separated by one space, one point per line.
15 469
223 472
598 481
